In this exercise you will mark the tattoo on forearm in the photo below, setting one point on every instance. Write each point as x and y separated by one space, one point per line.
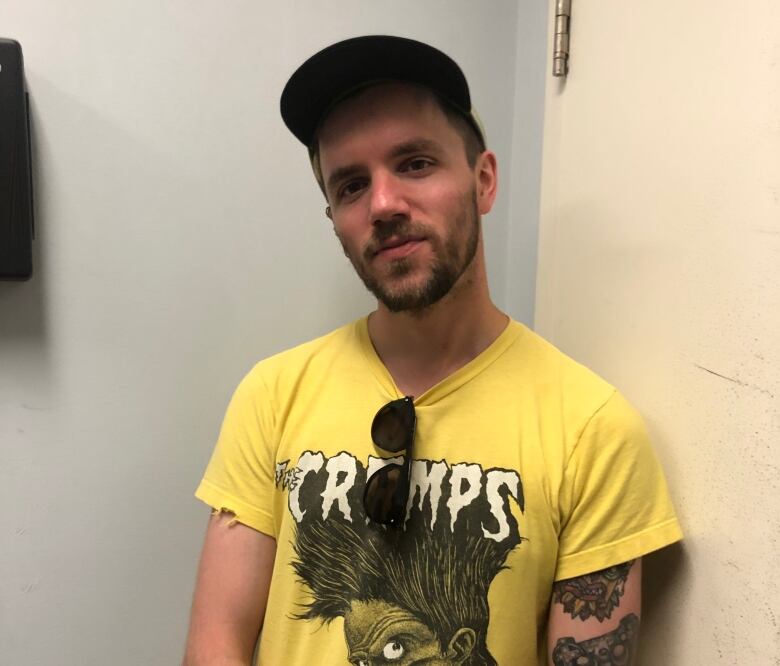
596 594
617 648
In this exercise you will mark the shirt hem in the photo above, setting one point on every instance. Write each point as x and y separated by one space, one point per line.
246 514
629 548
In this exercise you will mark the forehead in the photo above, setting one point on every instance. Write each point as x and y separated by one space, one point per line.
367 620
385 112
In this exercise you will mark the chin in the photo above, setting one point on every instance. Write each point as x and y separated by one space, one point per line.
403 290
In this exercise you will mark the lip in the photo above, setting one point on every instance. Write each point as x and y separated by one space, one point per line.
395 248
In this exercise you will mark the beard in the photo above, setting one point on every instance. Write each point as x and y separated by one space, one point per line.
452 255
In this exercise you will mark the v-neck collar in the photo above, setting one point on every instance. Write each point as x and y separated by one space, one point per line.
450 383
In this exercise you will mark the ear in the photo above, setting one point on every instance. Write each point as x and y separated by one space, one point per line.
486 170
461 645
328 214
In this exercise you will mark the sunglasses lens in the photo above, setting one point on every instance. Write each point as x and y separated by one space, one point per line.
393 425
385 495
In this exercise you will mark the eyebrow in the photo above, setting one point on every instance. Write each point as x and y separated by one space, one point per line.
406 148
382 626
415 146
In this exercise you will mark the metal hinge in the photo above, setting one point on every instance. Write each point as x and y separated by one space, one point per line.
561 38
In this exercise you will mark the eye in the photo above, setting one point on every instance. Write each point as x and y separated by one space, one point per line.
351 188
393 650
417 164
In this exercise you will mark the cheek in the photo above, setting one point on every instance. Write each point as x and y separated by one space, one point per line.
443 199
348 233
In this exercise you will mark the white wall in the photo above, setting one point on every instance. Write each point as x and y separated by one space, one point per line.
180 238
659 266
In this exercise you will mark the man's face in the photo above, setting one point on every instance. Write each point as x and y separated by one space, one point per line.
402 194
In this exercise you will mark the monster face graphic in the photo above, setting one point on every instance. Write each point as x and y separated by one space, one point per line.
380 633
415 594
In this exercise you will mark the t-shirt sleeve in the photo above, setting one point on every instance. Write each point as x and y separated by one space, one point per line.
240 475
614 503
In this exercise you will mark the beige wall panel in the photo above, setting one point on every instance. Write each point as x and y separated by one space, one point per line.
659 265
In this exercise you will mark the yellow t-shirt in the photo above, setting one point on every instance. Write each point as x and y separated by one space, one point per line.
526 468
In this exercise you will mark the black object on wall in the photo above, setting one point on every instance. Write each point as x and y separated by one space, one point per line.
16 201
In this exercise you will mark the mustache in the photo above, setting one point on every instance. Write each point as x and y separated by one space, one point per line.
383 231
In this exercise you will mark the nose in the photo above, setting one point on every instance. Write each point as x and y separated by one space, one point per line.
388 199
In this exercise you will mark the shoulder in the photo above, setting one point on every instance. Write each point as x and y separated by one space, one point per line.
285 369
558 381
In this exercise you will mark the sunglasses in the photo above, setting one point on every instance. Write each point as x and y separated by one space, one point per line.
387 489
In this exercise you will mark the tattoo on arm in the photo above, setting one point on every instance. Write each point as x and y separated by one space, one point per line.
617 648
596 594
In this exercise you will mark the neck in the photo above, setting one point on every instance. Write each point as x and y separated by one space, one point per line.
422 348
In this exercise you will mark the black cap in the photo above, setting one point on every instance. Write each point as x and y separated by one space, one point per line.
346 66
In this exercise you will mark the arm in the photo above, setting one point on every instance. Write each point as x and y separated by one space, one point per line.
230 594
594 619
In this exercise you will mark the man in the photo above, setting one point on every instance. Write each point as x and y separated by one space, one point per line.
497 517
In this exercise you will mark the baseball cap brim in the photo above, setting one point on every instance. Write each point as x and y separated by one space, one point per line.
346 66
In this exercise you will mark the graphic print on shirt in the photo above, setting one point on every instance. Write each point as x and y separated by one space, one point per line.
408 595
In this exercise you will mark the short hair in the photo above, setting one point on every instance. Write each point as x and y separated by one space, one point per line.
473 141
440 577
